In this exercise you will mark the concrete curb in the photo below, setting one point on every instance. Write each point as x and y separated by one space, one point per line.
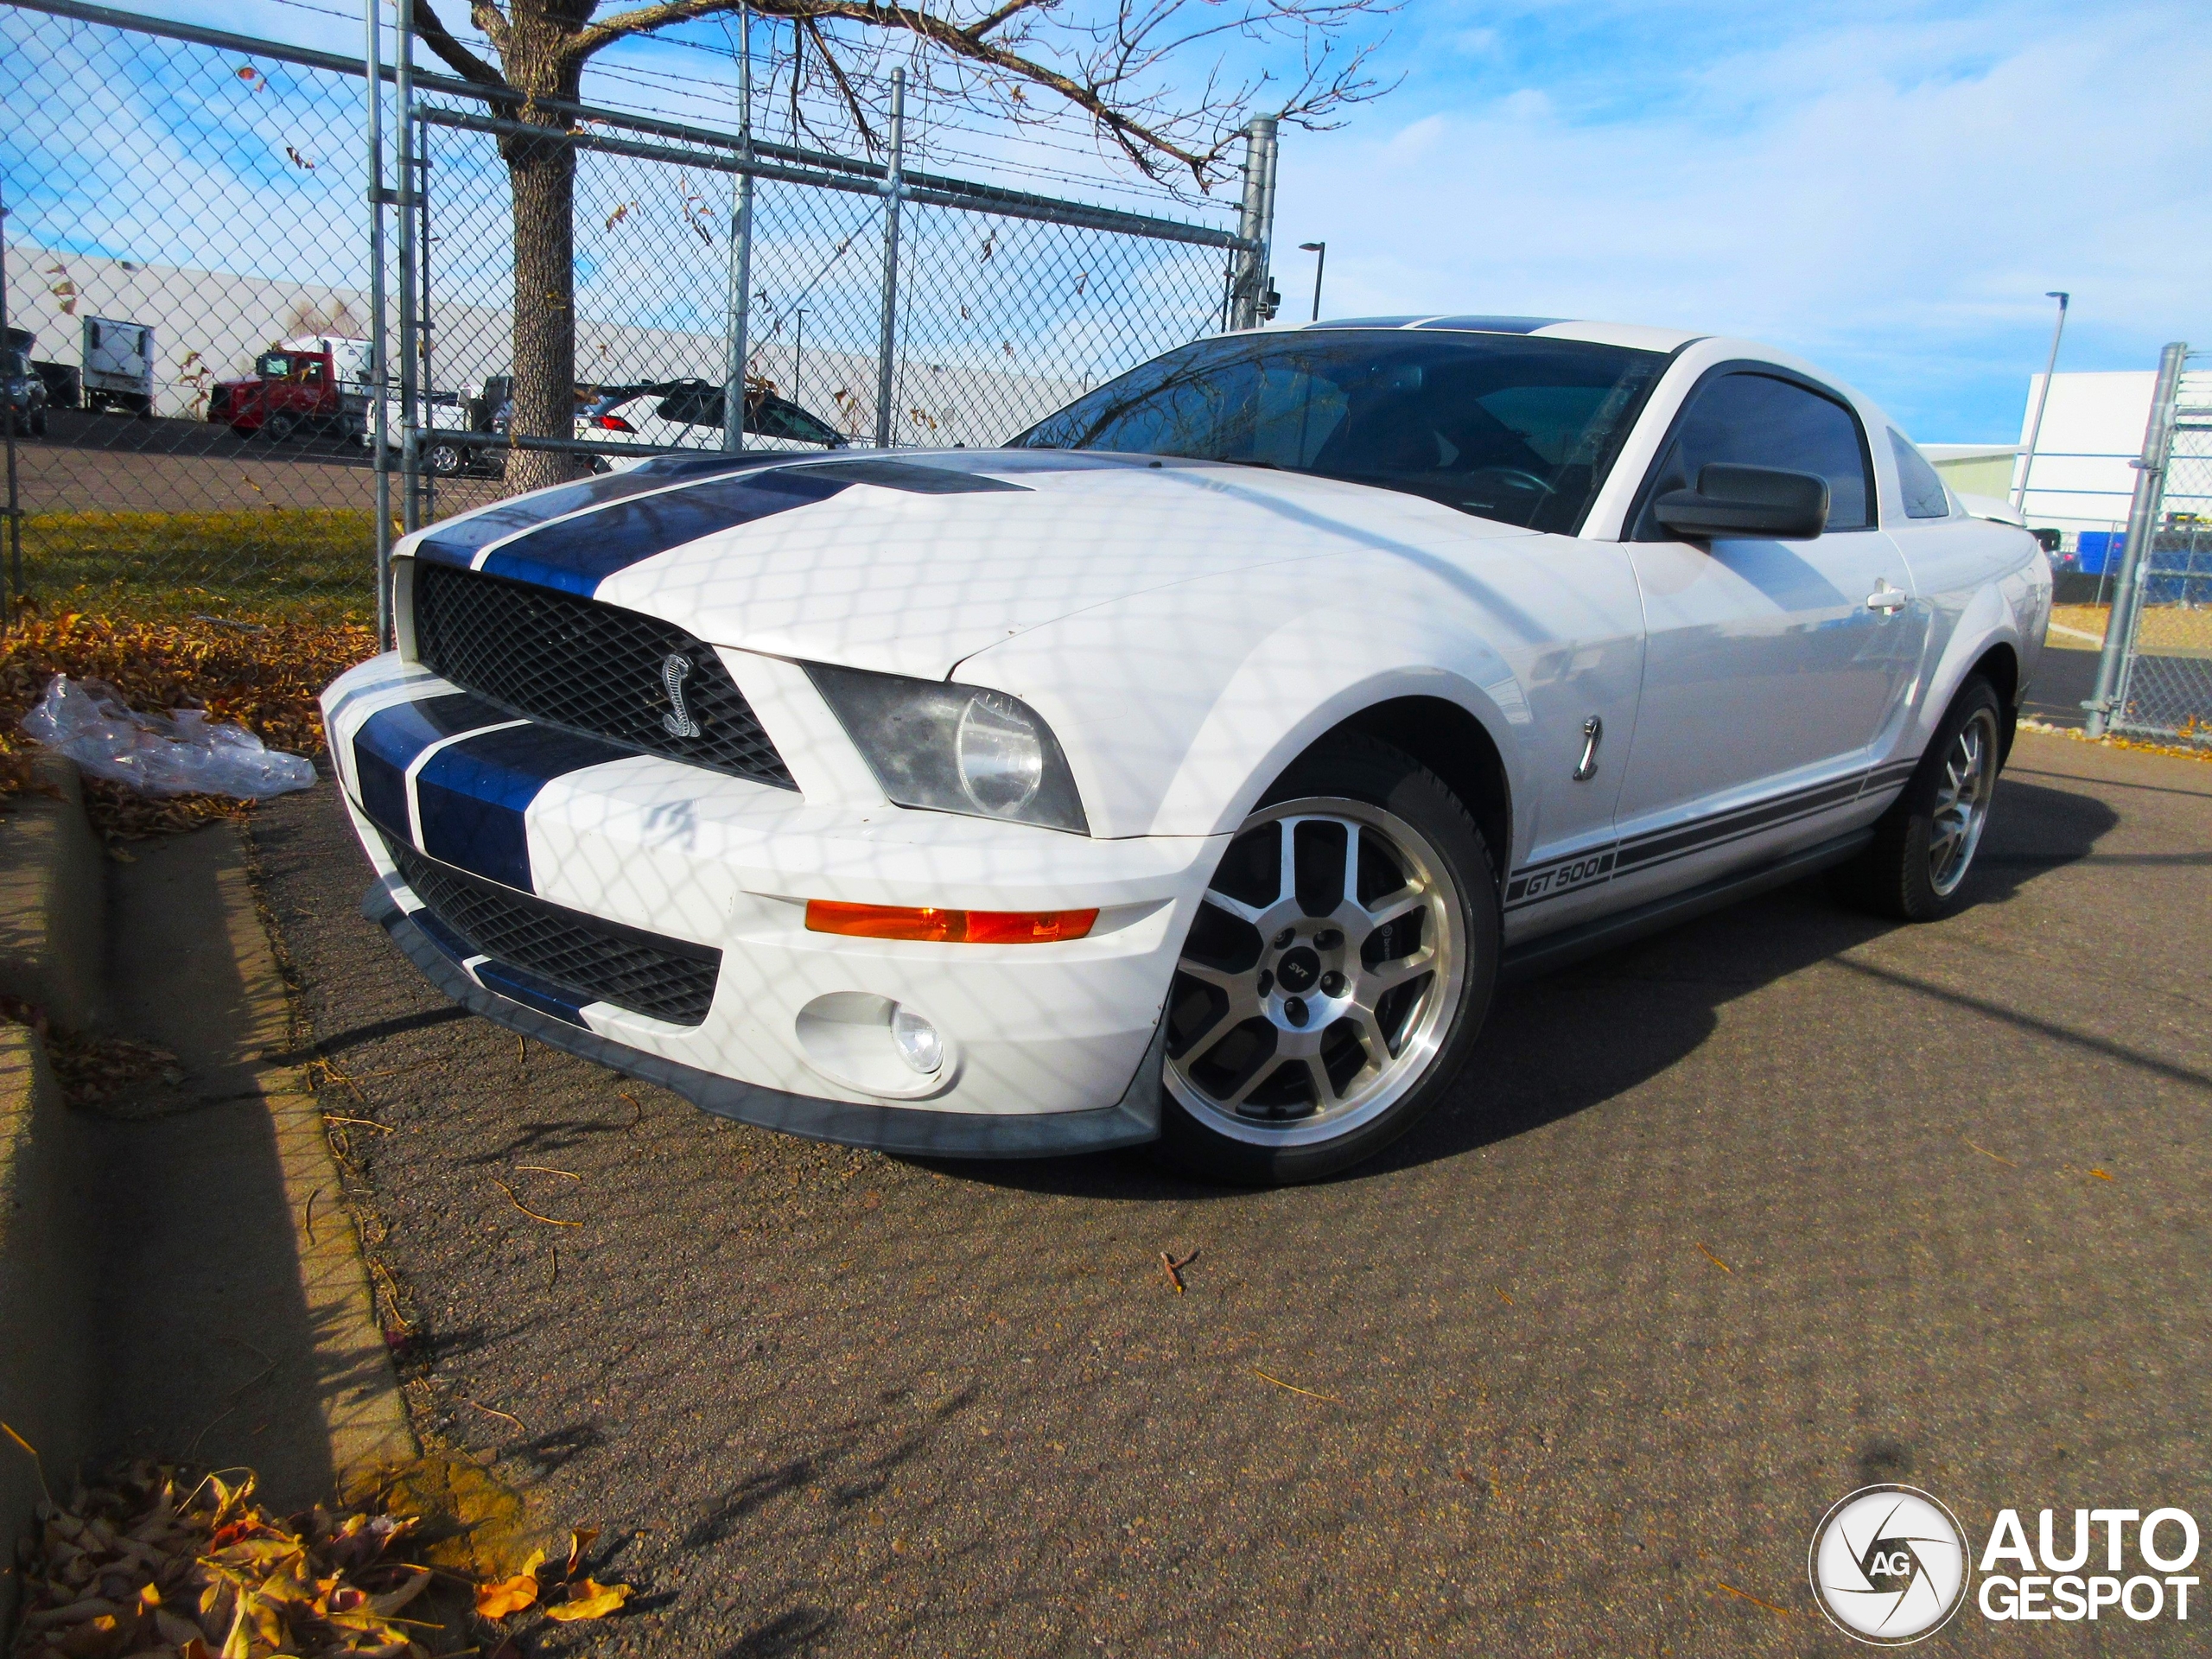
54 902
172 1272
45 1293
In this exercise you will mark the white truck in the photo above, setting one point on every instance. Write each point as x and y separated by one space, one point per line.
119 365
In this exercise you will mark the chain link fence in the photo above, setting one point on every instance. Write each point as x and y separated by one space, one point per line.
2164 630
190 285
177 211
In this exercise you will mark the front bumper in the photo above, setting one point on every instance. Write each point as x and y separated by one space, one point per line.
1048 1048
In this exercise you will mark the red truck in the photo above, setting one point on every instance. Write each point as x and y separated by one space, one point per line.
303 385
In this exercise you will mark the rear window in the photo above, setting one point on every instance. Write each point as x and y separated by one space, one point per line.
1502 426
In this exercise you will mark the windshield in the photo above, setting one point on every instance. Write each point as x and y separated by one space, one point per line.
1501 426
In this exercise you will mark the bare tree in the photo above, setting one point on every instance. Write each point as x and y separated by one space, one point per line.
1118 66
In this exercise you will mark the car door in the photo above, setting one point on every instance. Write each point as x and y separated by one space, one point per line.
1769 665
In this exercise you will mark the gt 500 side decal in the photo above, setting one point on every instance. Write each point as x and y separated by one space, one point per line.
1536 882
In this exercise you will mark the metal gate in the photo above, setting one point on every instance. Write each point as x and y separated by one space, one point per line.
2155 678
197 197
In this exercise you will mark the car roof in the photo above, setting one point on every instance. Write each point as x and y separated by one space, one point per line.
1639 336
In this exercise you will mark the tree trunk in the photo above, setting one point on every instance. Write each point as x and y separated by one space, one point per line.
542 177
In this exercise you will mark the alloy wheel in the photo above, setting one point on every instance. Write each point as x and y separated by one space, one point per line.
1321 975
1962 796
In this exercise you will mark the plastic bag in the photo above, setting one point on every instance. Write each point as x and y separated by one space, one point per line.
176 753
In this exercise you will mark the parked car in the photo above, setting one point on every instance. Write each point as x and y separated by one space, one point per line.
64 382
22 394
118 371
1187 771
689 415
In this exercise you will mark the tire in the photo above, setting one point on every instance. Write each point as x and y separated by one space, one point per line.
95 402
1924 845
278 429
1339 1049
446 460
38 424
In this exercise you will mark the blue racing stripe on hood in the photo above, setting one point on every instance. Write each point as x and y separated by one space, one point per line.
474 796
461 542
390 740
576 554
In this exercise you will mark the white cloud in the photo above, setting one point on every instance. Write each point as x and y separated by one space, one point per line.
1868 195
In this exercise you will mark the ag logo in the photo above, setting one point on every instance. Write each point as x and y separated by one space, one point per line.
1889 1565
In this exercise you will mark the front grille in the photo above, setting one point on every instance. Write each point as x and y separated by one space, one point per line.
598 961
593 668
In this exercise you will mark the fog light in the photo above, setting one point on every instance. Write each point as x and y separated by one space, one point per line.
916 1040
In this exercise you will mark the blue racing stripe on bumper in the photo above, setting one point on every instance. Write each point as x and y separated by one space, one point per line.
390 740
541 994
474 795
577 554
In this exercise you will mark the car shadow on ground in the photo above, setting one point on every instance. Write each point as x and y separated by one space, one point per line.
1575 1038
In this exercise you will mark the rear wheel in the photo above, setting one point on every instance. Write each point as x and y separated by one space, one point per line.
1336 973
446 459
38 423
1925 843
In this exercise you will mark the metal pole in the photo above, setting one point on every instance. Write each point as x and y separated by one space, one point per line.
741 248
1267 299
798 352
379 370
15 499
1255 218
1320 251
2142 512
403 87
887 343
429 478
2043 397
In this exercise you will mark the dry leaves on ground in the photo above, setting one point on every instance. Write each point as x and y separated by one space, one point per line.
152 1564
265 677
569 1596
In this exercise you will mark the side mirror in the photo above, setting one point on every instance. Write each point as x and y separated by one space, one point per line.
1747 501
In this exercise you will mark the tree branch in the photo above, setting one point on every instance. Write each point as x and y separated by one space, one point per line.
434 34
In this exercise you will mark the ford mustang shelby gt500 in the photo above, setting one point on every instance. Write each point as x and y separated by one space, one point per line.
1185 770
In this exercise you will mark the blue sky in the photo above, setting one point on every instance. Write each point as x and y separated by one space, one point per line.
1887 189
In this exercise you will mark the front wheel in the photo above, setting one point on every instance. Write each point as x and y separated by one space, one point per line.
1336 975
1925 843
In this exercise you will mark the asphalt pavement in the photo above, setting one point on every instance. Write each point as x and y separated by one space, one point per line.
1713 1232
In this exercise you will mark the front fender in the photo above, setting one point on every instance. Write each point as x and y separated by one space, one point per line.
1177 710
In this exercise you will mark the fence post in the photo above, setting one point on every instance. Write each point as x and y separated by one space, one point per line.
15 499
2142 525
1256 224
887 345
740 231
379 372
403 84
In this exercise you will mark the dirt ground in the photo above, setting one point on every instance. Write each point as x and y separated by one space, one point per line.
1713 1232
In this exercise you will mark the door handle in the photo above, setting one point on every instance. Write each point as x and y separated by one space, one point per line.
1593 730
1887 599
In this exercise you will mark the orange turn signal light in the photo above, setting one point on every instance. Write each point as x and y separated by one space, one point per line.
948 926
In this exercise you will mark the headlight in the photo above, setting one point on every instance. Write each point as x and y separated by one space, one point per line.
955 748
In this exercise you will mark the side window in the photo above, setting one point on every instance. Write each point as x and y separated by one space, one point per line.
1925 495
1758 420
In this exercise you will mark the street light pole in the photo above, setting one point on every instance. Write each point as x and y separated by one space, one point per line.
2043 397
1320 264
798 354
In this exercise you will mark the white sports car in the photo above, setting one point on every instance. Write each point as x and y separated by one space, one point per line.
1187 770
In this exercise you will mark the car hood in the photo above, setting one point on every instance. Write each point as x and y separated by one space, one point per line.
909 564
